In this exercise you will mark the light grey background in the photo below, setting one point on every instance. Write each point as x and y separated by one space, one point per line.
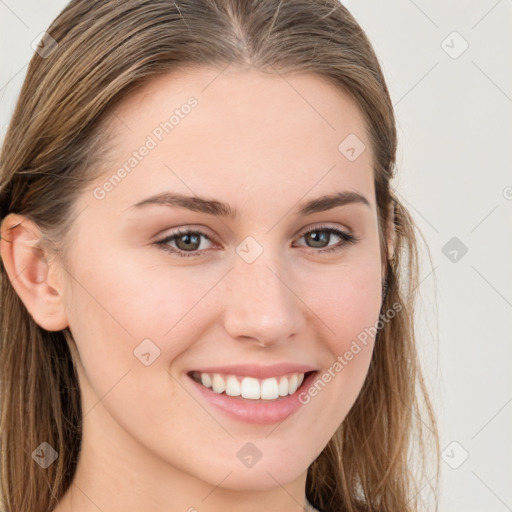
454 117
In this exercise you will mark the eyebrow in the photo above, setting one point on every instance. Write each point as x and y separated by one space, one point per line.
220 209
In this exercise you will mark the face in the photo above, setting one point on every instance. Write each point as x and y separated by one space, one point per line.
250 294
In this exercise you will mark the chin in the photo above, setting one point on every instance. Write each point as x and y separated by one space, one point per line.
263 474
264 478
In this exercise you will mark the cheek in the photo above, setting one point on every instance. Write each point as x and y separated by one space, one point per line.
348 302
129 325
118 303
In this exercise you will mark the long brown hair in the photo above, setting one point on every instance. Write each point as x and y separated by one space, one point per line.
105 49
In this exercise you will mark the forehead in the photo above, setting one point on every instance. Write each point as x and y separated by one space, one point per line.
223 132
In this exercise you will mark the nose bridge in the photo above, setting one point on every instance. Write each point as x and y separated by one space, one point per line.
261 303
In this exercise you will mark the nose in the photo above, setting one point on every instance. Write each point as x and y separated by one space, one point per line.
263 305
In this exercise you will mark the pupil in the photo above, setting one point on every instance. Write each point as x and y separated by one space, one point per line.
319 236
188 240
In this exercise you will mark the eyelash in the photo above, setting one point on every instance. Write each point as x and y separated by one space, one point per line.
347 238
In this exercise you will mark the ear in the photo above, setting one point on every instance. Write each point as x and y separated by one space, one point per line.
31 275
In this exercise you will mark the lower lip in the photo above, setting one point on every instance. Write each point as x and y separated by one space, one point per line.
263 412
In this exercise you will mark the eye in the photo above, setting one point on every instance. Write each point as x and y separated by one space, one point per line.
188 242
320 235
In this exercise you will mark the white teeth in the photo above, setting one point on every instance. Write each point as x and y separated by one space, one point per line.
249 387
283 386
293 384
232 386
206 380
218 383
269 389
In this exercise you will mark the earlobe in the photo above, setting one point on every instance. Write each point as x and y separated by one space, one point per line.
29 270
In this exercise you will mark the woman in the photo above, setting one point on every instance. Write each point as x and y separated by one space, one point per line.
207 281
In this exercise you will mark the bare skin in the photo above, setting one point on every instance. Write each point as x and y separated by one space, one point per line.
150 441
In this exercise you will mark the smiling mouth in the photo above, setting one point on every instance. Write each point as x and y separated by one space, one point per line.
251 388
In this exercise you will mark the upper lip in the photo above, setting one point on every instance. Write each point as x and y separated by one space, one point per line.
258 371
